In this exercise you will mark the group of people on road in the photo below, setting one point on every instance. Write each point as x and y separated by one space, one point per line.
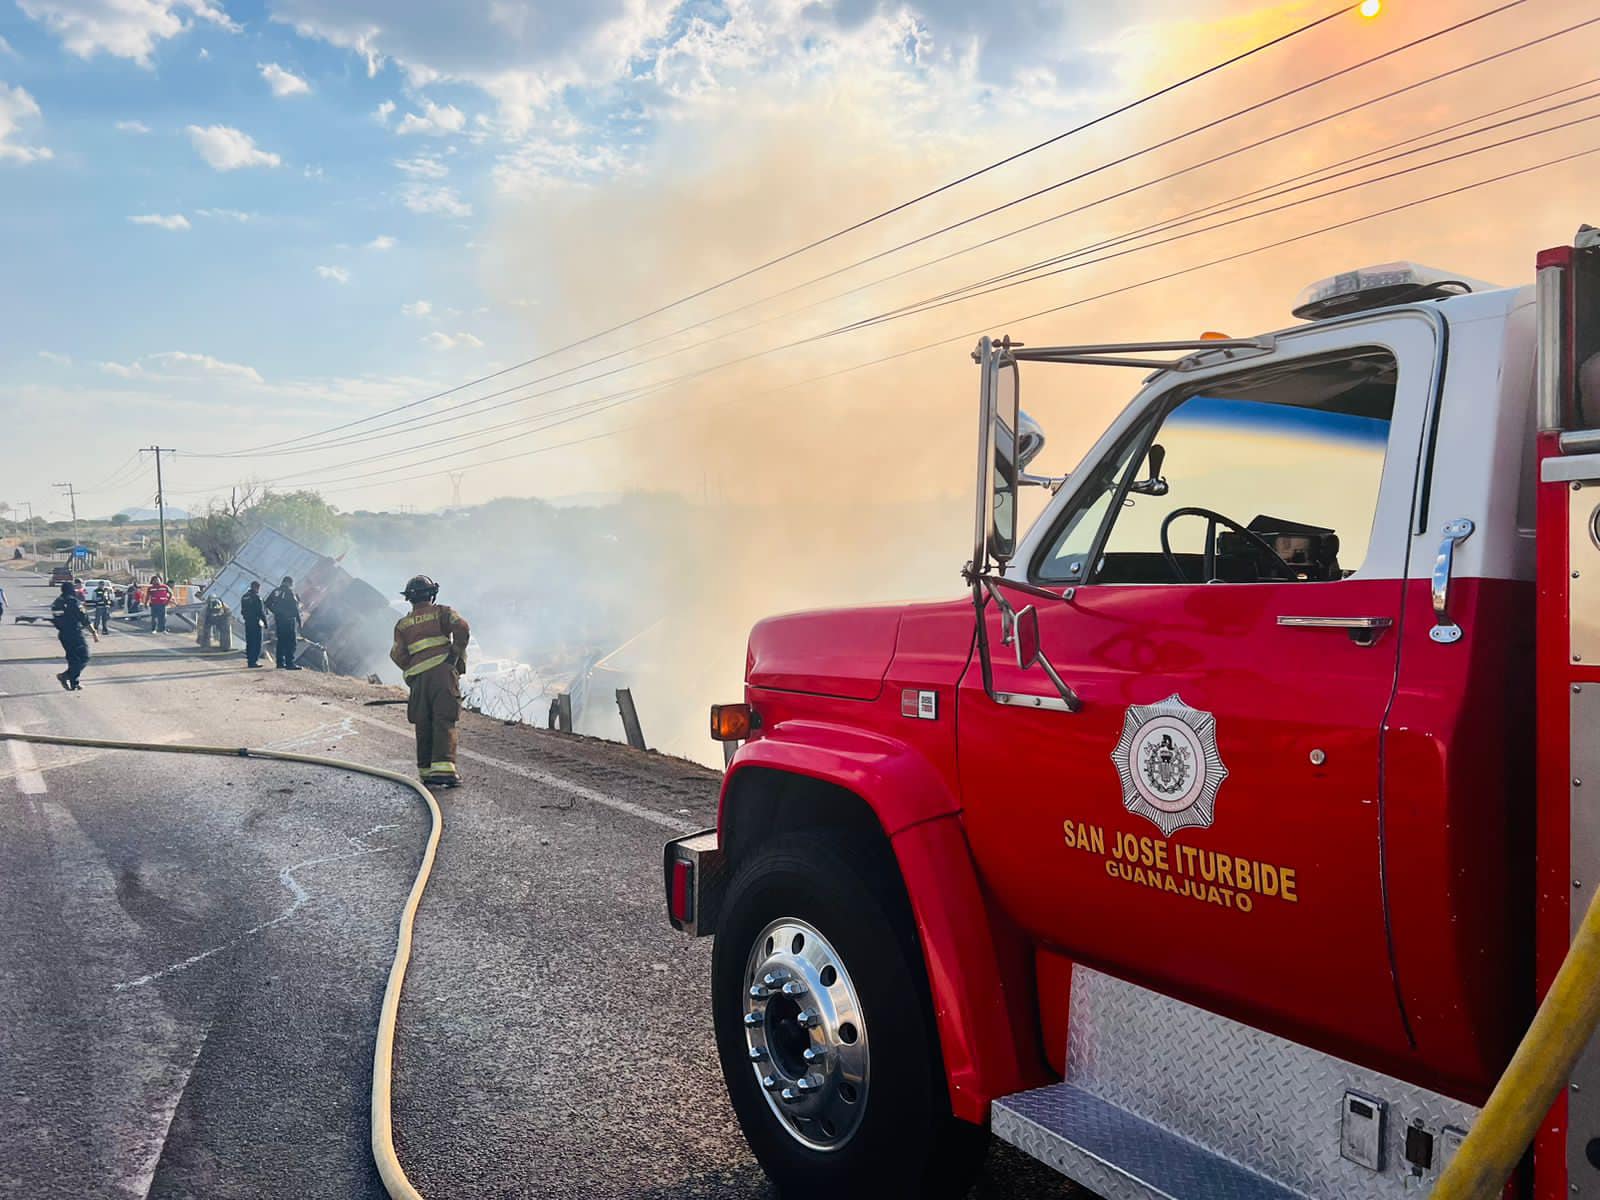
430 648
283 603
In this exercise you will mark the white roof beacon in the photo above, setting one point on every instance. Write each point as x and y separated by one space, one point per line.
1379 286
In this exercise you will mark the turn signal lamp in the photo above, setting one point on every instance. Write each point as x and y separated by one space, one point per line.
1211 335
680 892
1376 287
731 722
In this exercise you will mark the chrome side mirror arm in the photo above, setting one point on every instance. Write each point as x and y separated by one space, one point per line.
1444 629
1053 482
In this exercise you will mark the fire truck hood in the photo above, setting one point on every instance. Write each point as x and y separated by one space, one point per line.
842 652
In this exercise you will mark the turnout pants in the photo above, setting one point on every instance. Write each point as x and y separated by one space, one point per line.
434 708
252 642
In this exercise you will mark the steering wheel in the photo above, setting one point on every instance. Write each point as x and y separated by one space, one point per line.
1208 566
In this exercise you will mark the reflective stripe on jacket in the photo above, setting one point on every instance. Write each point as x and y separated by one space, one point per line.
159 594
423 640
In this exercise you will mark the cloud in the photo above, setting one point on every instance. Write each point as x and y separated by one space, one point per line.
227 149
133 127
16 106
283 82
336 274
417 308
421 198
175 221
383 112
61 360
122 28
382 242
226 214
433 121
179 365
204 364
438 340
422 167
5 48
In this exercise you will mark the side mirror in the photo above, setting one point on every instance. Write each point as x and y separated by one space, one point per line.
1004 396
1156 483
1025 635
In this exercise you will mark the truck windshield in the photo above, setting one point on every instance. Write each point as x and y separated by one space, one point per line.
1292 455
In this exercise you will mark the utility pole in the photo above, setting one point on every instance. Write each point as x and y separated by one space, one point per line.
72 497
33 530
161 508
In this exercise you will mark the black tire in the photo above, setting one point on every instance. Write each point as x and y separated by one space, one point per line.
907 1142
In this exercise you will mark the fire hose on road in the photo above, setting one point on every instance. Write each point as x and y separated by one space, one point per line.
1536 1075
394 1177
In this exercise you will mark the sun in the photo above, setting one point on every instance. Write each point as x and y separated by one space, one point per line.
1371 8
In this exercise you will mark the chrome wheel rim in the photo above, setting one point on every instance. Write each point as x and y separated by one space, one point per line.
806 1034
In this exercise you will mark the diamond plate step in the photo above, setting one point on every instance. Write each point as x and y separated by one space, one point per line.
1120 1155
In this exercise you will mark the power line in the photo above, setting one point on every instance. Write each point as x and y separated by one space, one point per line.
879 216
517 394
1050 311
1035 272
542 422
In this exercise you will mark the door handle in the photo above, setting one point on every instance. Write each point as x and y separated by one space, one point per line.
1363 630
1444 629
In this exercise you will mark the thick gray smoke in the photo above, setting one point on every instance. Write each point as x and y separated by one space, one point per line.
652 592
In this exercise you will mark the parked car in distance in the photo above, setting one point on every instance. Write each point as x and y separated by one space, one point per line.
61 574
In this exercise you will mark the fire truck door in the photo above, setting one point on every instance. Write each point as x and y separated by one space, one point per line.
1208 822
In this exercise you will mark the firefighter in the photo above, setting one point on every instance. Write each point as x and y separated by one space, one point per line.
284 605
430 648
70 620
255 619
102 608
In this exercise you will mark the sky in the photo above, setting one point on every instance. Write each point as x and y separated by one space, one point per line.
228 224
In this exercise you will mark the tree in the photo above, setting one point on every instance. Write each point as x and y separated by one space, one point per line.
304 516
120 519
184 562
217 535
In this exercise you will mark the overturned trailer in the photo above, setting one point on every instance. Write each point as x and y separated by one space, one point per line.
347 622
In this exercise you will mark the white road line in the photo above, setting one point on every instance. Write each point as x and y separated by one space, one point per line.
553 781
145 1177
25 766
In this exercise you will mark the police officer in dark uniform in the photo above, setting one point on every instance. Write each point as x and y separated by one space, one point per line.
102 608
284 605
67 615
255 620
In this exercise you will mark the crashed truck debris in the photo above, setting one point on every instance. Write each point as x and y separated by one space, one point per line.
348 623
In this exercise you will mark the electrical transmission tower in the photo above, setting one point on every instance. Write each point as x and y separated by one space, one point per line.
455 488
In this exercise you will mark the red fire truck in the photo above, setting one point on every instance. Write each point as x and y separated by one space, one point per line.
1224 840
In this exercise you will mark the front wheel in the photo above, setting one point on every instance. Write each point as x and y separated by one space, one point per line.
825 1029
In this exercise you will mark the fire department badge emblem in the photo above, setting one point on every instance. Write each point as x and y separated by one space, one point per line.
1171 770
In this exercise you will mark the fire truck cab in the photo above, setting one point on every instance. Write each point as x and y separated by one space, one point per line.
1222 841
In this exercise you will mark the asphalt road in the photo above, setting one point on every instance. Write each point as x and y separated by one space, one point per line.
192 950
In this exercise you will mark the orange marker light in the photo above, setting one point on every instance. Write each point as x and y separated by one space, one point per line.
731 722
1370 8
1211 335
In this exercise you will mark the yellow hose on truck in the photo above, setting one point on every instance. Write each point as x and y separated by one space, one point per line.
393 1175
1537 1073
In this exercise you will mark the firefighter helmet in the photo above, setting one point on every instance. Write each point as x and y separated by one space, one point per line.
420 587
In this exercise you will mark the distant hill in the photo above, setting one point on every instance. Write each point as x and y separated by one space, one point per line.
150 514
